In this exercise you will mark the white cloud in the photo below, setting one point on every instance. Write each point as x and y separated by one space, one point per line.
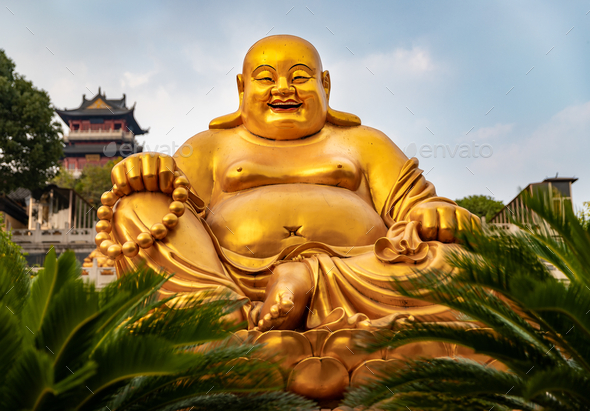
134 80
494 132
563 136
415 61
560 145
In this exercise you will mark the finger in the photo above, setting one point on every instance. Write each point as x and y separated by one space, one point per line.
463 222
447 223
133 171
119 178
166 173
428 223
119 193
261 326
149 170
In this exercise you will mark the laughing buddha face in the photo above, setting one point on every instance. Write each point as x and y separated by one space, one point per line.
285 92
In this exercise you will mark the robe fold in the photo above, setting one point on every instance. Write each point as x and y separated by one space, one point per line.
351 286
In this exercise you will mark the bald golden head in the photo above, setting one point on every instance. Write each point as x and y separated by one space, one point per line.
282 47
285 97
284 91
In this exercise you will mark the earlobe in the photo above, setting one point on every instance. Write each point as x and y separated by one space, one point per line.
234 119
326 83
240 81
339 118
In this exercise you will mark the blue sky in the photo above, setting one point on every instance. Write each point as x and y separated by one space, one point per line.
425 73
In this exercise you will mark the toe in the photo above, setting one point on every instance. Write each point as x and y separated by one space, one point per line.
274 311
286 305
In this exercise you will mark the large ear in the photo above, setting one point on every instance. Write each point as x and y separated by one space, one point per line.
234 119
339 118
327 84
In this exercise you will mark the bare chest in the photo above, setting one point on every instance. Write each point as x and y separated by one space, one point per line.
242 169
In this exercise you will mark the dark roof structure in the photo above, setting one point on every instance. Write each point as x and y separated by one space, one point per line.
101 107
560 189
13 209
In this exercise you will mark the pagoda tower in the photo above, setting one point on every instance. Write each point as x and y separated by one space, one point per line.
100 129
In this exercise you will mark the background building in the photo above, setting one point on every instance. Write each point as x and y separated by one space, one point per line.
560 190
56 218
100 129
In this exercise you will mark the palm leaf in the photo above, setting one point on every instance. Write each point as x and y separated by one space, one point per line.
46 285
570 380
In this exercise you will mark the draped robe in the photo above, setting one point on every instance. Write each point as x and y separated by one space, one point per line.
351 286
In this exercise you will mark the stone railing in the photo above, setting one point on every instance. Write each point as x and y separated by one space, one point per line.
63 236
100 276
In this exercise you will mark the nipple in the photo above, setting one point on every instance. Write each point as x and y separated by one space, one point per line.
339 165
239 169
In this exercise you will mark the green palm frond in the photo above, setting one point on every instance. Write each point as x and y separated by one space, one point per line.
515 353
10 341
569 380
195 322
129 299
66 345
270 401
565 224
29 381
14 284
70 324
446 376
212 372
46 285
533 323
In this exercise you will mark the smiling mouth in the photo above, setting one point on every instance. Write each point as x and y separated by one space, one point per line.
284 106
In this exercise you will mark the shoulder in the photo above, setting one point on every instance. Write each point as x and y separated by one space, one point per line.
372 144
203 144
202 139
362 135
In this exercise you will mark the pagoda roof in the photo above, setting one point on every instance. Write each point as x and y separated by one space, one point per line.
100 106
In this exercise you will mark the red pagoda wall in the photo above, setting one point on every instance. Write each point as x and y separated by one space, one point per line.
85 125
78 163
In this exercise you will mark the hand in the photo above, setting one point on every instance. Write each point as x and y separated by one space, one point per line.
443 221
145 171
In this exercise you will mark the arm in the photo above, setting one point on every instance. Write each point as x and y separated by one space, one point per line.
196 159
401 193
157 171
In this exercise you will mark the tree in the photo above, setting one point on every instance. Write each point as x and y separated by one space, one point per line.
92 183
480 205
584 215
30 142
64 179
64 345
537 326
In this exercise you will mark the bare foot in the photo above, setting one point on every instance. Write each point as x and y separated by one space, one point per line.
279 312
286 297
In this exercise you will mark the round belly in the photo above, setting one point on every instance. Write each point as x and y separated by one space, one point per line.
263 221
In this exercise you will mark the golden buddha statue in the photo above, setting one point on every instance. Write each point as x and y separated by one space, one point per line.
293 206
